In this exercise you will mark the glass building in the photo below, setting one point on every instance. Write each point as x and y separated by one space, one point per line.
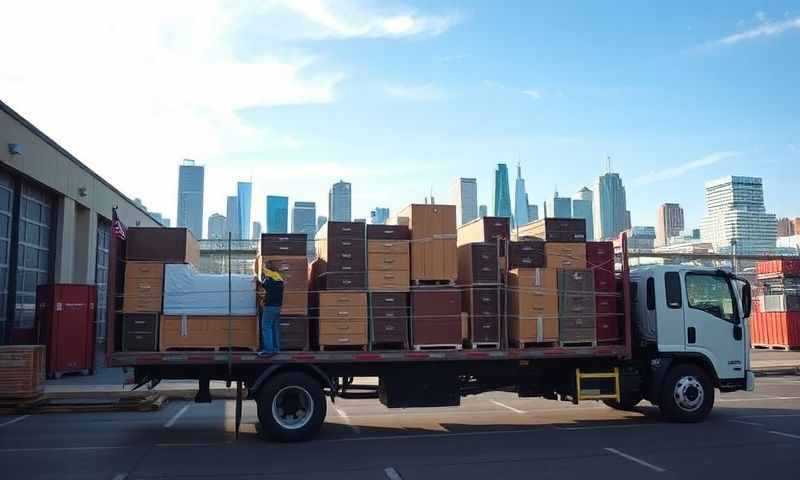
256 231
340 202
244 194
464 196
609 207
582 208
379 216
500 193
304 220
216 226
232 217
669 223
277 214
520 200
190 197
560 207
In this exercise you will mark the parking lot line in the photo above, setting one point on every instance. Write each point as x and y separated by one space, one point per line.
175 417
346 419
14 420
787 435
507 407
120 476
756 399
62 449
392 474
747 423
636 460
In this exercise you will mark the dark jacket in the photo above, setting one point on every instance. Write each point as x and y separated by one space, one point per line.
273 285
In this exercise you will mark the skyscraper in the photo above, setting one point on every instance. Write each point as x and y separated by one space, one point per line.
483 211
340 202
190 197
500 194
321 220
520 200
609 207
533 213
465 197
256 230
641 239
785 227
304 220
160 218
244 193
277 214
379 215
737 217
559 207
669 223
582 208
216 226
232 217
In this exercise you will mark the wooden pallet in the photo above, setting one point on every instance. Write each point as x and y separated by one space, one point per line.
585 343
784 348
388 346
523 345
442 346
342 348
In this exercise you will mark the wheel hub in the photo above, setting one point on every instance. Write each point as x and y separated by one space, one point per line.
689 394
292 407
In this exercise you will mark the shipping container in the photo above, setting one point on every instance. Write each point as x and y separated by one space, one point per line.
65 319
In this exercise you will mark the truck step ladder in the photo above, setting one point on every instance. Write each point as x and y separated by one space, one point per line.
600 385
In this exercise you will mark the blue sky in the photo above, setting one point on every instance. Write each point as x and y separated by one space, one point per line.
402 97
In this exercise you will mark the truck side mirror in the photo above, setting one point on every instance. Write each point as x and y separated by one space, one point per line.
747 300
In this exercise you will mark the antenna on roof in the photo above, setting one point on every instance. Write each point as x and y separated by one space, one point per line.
608 163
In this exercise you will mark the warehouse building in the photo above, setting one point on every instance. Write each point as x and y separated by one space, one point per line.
55 218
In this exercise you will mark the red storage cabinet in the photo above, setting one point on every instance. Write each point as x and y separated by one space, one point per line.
65 317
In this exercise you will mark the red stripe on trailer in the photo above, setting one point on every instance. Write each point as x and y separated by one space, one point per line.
476 354
303 356
556 351
369 356
417 355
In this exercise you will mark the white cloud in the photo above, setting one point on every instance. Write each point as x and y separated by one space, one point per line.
534 94
681 170
763 29
421 93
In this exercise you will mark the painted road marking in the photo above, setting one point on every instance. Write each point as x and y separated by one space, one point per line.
787 435
508 407
175 418
759 399
747 423
14 420
346 419
636 460
120 476
392 474
432 435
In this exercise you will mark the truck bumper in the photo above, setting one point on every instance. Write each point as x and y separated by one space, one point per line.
750 381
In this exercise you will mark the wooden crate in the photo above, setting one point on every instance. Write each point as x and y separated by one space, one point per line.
208 332
22 371
433 241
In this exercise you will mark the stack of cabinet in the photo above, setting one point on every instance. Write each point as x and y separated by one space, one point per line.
147 251
388 277
479 278
435 302
576 307
600 260
494 230
338 279
287 253
533 302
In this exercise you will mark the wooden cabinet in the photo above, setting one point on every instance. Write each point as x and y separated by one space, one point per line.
526 254
208 332
166 245
600 255
341 248
294 332
533 306
283 244
565 255
143 290
140 332
388 232
477 264
482 306
433 241
342 319
388 259
320 278
485 230
554 230
436 316
576 306
389 318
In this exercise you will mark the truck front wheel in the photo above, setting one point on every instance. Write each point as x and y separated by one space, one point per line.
687 394
291 407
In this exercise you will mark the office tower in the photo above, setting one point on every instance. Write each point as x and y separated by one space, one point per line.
520 200
304 220
582 208
379 215
737 217
669 223
696 233
159 218
256 230
321 220
277 214
785 227
465 197
641 239
483 211
216 226
500 194
560 207
533 213
244 193
340 202
232 217
190 197
609 208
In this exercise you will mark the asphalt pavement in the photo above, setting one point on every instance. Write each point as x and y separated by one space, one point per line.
747 435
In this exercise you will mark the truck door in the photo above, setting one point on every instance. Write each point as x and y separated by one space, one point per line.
713 325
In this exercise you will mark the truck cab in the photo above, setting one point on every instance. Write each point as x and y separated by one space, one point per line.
690 332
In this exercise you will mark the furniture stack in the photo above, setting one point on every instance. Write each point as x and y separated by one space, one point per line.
494 230
287 253
480 281
600 260
775 320
435 301
338 279
388 277
169 305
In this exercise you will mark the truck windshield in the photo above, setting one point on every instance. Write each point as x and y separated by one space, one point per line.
711 294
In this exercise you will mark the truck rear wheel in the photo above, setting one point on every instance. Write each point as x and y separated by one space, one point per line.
291 407
687 394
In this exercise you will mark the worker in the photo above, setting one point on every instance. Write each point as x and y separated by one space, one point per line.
272 281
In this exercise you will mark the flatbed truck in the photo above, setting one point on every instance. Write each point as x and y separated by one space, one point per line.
685 336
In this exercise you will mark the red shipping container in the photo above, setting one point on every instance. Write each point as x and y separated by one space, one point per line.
65 316
772 268
774 329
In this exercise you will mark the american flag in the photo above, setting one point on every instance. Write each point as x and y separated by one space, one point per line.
117 227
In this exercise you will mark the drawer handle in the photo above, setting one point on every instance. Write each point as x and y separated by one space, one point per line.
390 314
346 267
389 328
485 257
389 300
343 327
487 327
486 299
486 269
389 276
526 260
346 244
388 245
283 248
388 260
347 255
285 324
346 229
344 339
346 282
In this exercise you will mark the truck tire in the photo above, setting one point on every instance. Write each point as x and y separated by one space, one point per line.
626 403
687 395
291 407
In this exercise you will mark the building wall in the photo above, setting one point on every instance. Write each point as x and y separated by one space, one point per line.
465 197
500 193
244 194
277 214
520 200
190 197
669 223
216 226
304 220
340 202
609 207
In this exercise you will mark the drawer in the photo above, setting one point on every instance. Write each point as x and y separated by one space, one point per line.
535 279
348 263
142 304
604 280
342 281
389 330
388 261
140 322
577 334
526 254
336 327
577 304
144 270
348 230
530 303
293 326
575 281
485 330
389 313
436 302
436 331
329 340
389 280
388 232
605 304
388 246
294 303
338 299
565 255
608 328
284 244
343 312
140 342
533 329
294 343
568 322
389 299
600 254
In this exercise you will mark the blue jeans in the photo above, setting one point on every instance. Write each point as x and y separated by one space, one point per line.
270 329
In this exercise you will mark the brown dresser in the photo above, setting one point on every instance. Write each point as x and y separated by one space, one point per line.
342 319
388 262
565 255
165 245
482 304
342 248
388 319
554 230
433 241
533 306
294 332
140 332
576 307
294 270
526 254
477 264
485 230
143 290
436 317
